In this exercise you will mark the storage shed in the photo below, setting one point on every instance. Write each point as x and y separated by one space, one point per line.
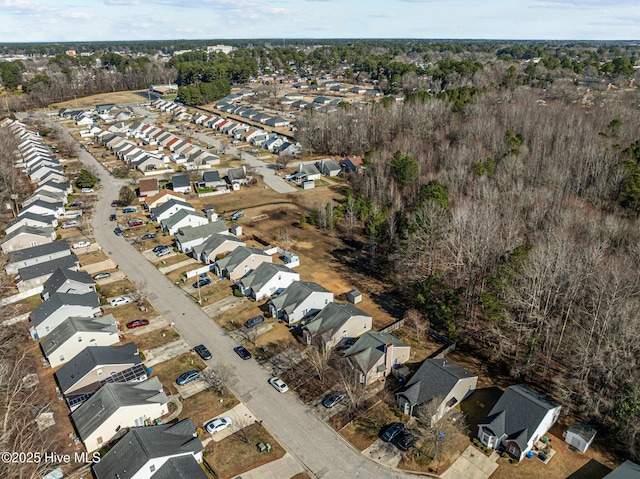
354 296
580 436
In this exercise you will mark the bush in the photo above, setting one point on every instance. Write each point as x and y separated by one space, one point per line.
476 442
237 293
505 455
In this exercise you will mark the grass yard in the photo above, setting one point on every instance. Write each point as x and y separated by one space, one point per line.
28 304
153 339
116 288
206 405
234 318
169 371
169 260
179 274
92 257
363 431
119 97
239 453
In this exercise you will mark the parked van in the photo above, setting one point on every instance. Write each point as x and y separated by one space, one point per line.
250 323
130 209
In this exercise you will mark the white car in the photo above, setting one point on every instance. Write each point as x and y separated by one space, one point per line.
217 425
69 224
279 384
87 190
82 244
120 300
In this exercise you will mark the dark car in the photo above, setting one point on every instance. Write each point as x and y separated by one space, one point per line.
187 377
250 323
137 323
118 231
242 352
112 217
148 236
392 431
159 248
202 283
333 399
202 351
404 440
115 203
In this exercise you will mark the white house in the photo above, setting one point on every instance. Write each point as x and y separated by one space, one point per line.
183 219
266 279
299 300
60 306
169 208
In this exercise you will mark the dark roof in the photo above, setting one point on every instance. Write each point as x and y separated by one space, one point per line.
49 205
626 470
141 444
45 232
370 347
59 300
61 275
332 318
434 378
295 294
38 251
211 176
585 431
77 324
518 413
49 267
236 174
180 180
92 357
158 210
55 184
46 219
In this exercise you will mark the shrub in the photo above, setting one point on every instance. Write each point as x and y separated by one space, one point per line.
505 455
237 293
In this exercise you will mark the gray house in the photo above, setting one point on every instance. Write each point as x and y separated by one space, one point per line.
266 280
211 179
216 244
37 254
439 380
60 306
33 277
75 334
239 262
67 281
300 300
181 183
165 451
375 354
329 167
237 176
335 322
189 238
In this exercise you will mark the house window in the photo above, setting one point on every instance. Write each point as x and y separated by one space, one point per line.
99 372
514 451
62 357
326 301
47 329
79 339
93 342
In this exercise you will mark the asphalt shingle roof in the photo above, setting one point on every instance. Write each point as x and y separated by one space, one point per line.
332 318
77 324
370 347
61 275
38 251
237 256
295 294
59 300
48 267
263 273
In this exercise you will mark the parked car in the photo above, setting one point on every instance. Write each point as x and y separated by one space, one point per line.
76 203
112 217
242 352
135 222
120 300
392 431
148 236
254 150
69 224
129 209
404 440
115 203
217 425
163 252
202 351
102 275
117 231
237 215
81 244
279 384
160 247
201 283
87 190
250 323
333 399
187 377
210 147
137 323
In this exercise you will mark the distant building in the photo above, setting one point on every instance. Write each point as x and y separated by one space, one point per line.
226 49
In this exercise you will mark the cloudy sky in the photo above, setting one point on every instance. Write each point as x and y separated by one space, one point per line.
86 20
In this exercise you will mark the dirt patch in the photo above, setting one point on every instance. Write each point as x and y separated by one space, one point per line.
118 97
206 405
153 339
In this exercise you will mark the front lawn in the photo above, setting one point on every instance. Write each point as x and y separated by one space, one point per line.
169 371
206 405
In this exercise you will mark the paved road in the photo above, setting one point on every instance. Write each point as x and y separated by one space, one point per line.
316 445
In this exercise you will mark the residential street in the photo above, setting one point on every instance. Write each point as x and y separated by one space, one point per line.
293 424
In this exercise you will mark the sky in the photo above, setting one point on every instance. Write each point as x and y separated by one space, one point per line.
100 20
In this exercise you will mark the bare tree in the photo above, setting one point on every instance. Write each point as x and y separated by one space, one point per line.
139 292
355 391
318 357
417 322
218 376
283 161
126 196
284 237
438 432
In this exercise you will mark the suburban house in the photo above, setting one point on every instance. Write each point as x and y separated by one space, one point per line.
148 187
518 420
76 333
237 176
27 237
239 262
216 245
55 186
188 238
162 197
351 164
440 380
298 301
117 406
329 167
169 208
266 280
164 451
44 208
307 173
60 306
31 219
67 281
53 176
181 183
335 322
375 354
37 254
46 196
83 374
211 179
183 219
626 470
34 276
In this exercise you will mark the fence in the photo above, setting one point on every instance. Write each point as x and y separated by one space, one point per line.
199 271
393 326
448 344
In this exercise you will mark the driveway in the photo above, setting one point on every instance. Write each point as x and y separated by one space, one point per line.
472 464
191 389
314 443
240 416
225 304
383 453
166 352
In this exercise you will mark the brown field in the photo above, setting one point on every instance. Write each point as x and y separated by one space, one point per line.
153 339
169 371
206 405
118 97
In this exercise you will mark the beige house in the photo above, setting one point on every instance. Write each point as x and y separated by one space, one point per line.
75 334
239 262
116 407
374 355
162 197
335 322
27 237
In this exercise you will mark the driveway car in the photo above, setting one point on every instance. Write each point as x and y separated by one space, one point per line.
87 190
101 275
112 217
254 150
202 351
135 222
217 425
69 224
160 247
118 231
137 323
237 215
81 244
115 203
187 377
201 283
404 440
242 352
250 323
392 431
120 300
279 384
333 399
148 236
163 252
76 203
